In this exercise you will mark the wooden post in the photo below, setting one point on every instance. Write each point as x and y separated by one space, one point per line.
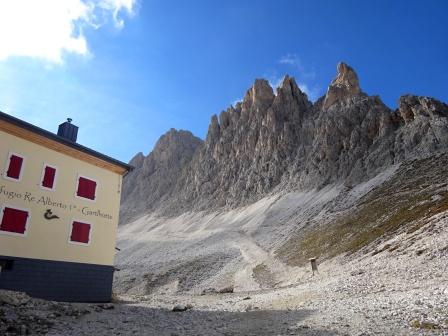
313 265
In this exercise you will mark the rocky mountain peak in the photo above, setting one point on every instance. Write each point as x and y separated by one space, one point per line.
137 160
213 130
171 145
345 85
271 142
289 90
346 77
260 95
158 172
289 85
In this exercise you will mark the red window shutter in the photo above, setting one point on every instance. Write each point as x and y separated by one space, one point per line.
86 188
15 166
14 220
80 232
49 175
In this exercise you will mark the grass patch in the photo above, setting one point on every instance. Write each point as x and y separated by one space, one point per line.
263 276
405 199
425 325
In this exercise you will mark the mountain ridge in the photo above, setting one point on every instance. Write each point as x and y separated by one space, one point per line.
279 141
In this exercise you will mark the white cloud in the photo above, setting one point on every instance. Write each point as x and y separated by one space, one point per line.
275 82
290 59
306 76
46 29
236 101
312 92
115 6
294 61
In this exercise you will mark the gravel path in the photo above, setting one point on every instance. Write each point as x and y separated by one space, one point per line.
384 291
140 319
398 285
383 294
379 295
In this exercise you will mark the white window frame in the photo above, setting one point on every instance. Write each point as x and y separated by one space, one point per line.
8 160
84 198
24 234
43 174
70 229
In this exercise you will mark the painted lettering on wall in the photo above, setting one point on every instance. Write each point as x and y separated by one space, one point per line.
46 201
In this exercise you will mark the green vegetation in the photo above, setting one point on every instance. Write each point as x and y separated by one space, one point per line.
263 276
415 193
425 325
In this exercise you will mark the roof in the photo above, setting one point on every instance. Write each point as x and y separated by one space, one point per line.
61 140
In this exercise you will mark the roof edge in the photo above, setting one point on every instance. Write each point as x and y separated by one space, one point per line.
52 136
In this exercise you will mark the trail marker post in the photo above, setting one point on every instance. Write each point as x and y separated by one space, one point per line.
313 262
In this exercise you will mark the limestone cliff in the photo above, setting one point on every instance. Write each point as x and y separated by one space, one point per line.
154 177
276 141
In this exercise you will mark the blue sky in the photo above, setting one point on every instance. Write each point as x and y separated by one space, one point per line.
128 70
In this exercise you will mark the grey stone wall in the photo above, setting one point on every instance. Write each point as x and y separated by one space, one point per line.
57 280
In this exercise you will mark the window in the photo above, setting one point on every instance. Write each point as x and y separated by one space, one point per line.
80 233
14 221
86 188
48 177
14 167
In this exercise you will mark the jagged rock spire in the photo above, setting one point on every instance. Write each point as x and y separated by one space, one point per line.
290 85
213 129
260 95
345 85
282 140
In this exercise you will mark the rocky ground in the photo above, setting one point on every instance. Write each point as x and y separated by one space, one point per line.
383 267
221 230
383 263
242 272
388 293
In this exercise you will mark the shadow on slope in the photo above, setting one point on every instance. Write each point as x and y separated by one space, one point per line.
140 320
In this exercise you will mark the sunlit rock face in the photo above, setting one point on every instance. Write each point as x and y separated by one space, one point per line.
279 141
343 87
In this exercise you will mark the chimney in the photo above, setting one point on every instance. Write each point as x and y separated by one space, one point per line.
68 130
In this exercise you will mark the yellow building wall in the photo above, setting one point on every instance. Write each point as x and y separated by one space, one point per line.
49 239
